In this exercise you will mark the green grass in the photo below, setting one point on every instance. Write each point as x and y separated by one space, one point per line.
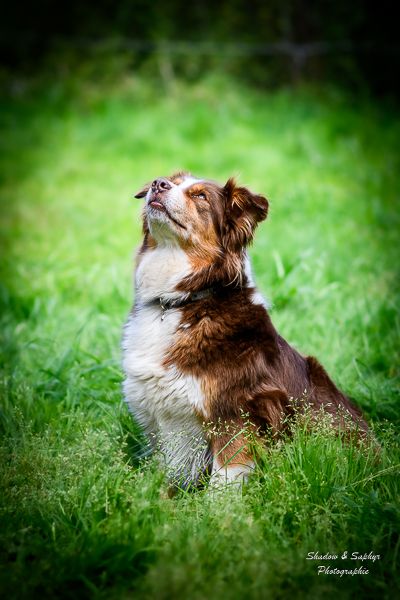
81 516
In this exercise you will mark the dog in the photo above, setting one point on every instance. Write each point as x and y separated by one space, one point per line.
200 354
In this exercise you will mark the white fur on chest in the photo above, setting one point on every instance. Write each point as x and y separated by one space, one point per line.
165 402
162 392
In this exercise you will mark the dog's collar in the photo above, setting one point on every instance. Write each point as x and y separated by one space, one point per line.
168 303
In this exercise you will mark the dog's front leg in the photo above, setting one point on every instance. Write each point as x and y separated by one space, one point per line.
186 452
232 461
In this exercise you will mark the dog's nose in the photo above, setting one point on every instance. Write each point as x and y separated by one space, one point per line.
161 185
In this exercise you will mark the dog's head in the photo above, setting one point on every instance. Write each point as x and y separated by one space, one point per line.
200 213
211 223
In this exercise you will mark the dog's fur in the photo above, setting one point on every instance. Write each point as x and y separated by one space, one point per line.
200 350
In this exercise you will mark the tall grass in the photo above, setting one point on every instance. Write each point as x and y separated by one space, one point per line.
81 515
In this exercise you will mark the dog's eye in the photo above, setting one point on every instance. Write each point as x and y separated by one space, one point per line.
200 196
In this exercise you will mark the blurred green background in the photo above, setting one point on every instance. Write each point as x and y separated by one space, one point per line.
264 43
300 105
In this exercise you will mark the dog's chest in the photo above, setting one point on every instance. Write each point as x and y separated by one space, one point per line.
154 390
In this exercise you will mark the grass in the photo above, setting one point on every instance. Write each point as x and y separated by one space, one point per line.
81 516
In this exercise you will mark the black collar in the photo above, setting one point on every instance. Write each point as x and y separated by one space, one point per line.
168 303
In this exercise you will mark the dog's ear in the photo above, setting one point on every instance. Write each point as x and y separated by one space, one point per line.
243 211
142 193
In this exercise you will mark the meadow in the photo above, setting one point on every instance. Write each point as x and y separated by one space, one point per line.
82 515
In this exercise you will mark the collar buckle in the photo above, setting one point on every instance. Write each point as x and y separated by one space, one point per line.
163 309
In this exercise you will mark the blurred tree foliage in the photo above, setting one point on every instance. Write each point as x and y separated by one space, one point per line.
267 42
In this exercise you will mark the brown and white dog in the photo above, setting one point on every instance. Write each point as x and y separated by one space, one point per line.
200 350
